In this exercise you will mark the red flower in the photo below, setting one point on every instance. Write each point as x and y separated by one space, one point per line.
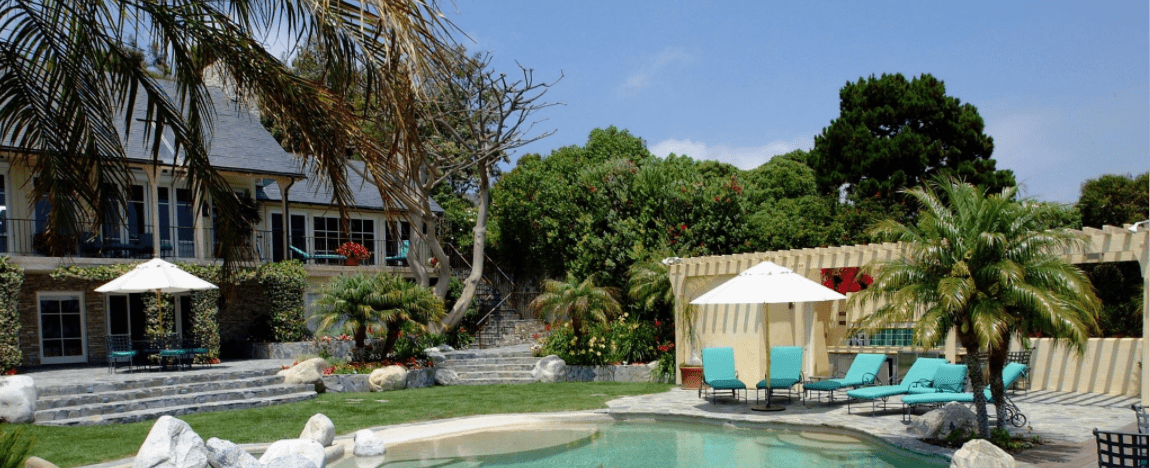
547 327
658 323
353 251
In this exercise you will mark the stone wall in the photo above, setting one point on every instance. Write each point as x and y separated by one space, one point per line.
639 373
339 349
358 383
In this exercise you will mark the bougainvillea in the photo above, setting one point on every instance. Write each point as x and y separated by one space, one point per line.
845 280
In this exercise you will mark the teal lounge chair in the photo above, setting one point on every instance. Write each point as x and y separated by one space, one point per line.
786 371
922 370
1010 374
719 373
402 255
306 257
862 372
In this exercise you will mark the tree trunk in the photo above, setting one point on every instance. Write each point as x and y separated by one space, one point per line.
997 361
974 371
479 235
392 337
360 337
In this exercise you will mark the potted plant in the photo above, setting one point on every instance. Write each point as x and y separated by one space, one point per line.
354 252
692 375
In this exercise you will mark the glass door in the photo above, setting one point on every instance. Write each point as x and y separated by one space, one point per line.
62 329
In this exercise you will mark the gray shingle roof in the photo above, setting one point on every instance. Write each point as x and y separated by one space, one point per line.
314 192
239 141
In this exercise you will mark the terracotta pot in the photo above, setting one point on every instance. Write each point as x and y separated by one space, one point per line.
350 262
692 377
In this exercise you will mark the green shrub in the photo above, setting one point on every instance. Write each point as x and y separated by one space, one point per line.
284 284
11 279
14 448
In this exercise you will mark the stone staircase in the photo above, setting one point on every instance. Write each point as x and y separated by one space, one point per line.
492 366
141 397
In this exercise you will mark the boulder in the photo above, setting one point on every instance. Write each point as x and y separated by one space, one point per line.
17 399
979 453
550 369
288 461
37 462
421 378
172 444
388 378
446 377
936 424
307 449
225 454
320 429
368 445
309 372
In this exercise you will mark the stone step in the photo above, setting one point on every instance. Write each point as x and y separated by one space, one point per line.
491 367
493 375
503 381
519 360
62 401
155 413
161 402
145 381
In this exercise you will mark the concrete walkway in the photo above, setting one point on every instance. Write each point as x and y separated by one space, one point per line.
48 376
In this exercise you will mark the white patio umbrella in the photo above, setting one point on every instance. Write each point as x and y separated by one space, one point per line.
768 283
157 276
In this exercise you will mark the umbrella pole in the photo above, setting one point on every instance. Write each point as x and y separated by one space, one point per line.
767 341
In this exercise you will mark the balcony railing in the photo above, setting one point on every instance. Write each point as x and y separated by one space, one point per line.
25 237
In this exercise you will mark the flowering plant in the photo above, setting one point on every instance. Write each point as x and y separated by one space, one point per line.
353 251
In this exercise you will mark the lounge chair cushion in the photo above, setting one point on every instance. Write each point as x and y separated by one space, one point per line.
950 378
874 393
727 384
863 371
940 397
777 383
719 365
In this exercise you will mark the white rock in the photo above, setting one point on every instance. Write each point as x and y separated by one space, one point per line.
172 444
37 462
388 378
979 453
444 376
289 461
307 372
368 445
17 399
320 429
550 369
308 449
937 424
225 454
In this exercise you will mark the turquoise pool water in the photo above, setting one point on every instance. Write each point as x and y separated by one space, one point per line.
641 444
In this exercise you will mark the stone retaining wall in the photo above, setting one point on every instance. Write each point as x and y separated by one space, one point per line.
339 349
358 383
640 373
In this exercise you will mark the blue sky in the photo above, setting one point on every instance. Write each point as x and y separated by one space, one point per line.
1062 86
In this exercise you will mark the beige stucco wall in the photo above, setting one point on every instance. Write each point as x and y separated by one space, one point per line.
1111 366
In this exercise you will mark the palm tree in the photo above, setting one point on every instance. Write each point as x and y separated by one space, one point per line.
976 263
384 299
649 284
70 75
578 301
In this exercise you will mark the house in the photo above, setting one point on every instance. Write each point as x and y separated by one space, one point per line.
65 321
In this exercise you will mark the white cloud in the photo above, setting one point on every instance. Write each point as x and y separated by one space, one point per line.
647 74
743 157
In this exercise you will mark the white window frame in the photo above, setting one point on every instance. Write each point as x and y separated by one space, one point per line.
79 295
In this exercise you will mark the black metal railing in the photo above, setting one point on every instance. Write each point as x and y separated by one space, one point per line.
27 237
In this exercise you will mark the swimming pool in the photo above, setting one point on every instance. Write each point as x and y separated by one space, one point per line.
645 443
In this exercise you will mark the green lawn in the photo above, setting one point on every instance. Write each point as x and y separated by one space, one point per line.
76 446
